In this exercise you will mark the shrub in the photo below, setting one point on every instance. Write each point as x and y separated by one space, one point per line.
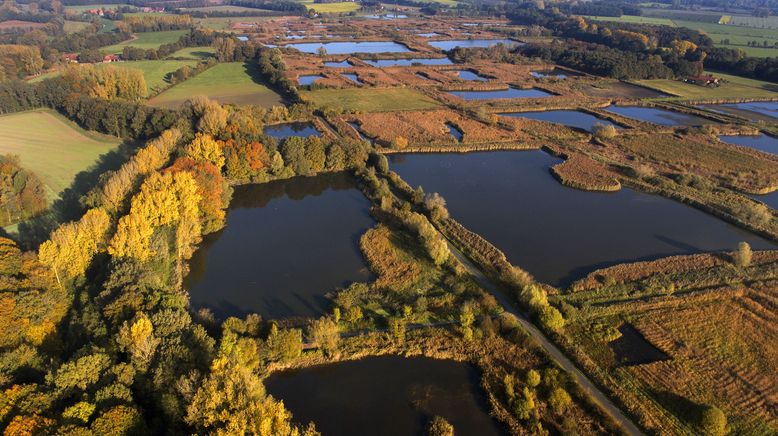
742 256
604 131
713 422
551 319
559 400
438 426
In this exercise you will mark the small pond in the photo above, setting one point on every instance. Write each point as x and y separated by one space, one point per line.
577 119
409 62
286 244
501 94
386 16
555 73
356 127
428 34
761 142
632 348
309 79
753 110
470 43
658 116
471 76
344 64
557 233
455 132
285 130
353 78
386 395
352 47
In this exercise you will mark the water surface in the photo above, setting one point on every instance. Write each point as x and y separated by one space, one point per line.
409 62
286 244
556 233
309 79
577 119
353 78
555 73
386 395
470 43
344 64
285 130
456 133
658 116
471 76
761 142
765 108
351 47
504 93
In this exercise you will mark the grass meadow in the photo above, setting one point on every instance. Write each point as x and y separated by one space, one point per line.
735 87
371 100
225 82
146 40
52 147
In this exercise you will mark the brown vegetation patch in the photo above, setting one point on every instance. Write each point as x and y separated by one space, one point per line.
385 260
19 24
582 172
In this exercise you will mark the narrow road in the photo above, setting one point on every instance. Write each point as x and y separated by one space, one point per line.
556 354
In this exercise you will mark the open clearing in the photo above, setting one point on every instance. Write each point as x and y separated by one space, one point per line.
74 26
146 40
194 53
226 8
82 8
224 23
334 8
736 87
371 100
225 82
51 147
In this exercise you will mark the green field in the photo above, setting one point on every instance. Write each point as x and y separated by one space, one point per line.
225 8
633 19
226 83
371 100
146 40
736 87
82 8
52 147
194 53
223 23
154 72
74 26
332 8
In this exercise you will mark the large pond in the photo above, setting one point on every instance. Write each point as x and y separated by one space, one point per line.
387 395
504 93
658 116
556 233
335 48
409 62
761 142
343 64
285 245
470 43
577 119
285 130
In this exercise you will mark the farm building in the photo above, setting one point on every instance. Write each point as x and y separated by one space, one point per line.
708 80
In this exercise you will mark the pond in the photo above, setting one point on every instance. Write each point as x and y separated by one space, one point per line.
356 128
557 233
409 62
309 79
450 44
336 48
632 348
455 132
353 78
285 130
386 395
285 245
428 34
577 119
658 116
386 17
554 73
754 110
760 142
344 64
501 94
471 76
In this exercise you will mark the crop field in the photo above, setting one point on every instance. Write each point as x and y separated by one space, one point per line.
146 40
74 26
756 22
224 23
225 8
51 147
225 82
371 100
735 87
717 333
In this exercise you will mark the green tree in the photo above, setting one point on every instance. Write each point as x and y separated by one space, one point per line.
324 332
439 426
559 400
533 378
713 421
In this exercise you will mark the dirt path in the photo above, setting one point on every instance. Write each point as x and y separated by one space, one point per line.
555 353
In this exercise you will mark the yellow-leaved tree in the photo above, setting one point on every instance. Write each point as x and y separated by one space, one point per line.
205 148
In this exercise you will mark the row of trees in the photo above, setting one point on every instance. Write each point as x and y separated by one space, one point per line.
22 195
106 82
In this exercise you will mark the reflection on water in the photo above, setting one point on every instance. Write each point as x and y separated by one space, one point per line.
658 116
387 395
556 233
285 245
577 119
